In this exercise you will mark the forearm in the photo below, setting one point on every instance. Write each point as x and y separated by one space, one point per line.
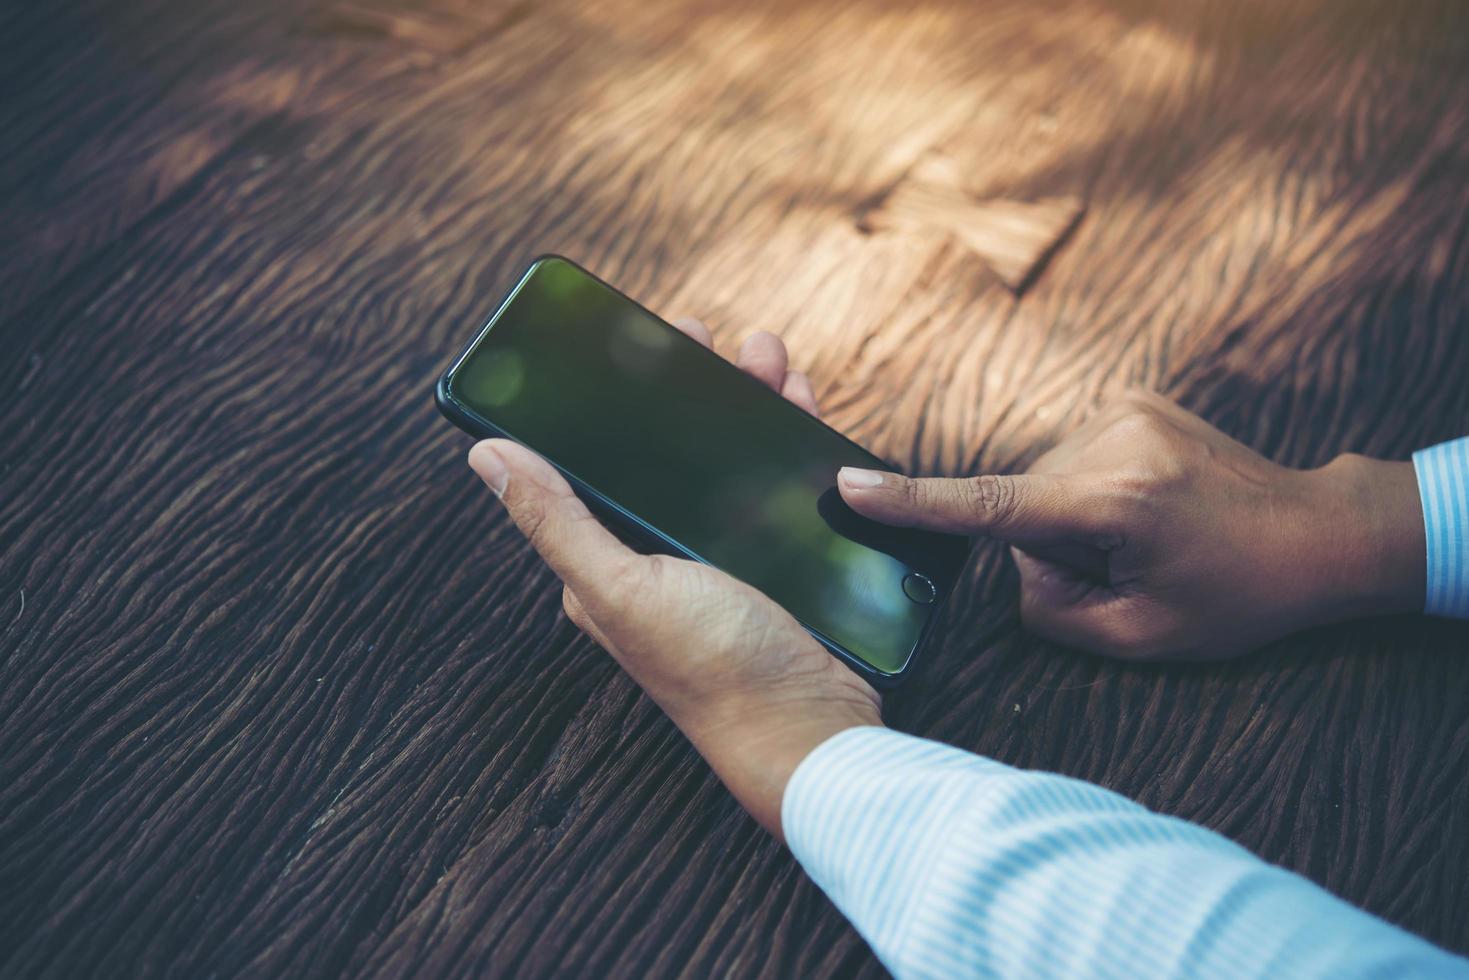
954 865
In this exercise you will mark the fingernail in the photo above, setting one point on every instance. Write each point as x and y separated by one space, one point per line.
491 468
859 479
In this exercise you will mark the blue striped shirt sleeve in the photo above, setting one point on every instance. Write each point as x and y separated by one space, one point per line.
951 865
1443 487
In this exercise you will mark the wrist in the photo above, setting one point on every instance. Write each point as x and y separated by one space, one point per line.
1377 564
754 741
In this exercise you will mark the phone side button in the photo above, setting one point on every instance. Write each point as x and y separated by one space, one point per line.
919 588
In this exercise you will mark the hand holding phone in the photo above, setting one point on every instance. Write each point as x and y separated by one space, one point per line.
763 570
687 455
745 682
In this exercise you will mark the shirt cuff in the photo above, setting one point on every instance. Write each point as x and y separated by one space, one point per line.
1443 488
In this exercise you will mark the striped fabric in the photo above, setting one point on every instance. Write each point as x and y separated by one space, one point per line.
955 866
1443 486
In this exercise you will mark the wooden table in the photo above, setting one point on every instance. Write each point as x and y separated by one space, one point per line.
281 692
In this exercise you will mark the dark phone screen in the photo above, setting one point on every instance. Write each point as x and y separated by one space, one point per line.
676 436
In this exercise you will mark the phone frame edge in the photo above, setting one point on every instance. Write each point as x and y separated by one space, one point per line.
466 420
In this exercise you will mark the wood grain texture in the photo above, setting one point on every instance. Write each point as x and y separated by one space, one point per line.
281 692
1014 238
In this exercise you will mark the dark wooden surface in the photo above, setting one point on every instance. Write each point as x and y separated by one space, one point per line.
281 693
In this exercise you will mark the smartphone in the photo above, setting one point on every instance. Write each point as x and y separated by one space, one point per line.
684 453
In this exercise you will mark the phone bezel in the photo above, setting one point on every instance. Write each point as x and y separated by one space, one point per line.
644 533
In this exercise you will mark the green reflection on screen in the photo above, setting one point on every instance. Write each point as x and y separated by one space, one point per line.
675 435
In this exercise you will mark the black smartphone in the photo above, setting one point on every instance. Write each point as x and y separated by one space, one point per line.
686 454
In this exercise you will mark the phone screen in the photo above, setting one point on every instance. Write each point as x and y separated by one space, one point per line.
722 468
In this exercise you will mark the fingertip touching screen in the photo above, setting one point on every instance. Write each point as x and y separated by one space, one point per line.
721 467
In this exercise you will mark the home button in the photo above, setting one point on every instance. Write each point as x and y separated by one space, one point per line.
920 588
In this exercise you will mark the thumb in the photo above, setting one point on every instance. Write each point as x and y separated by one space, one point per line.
1027 507
582 553
1058 604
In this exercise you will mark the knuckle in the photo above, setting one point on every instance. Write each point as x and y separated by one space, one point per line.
1133 488
560 522
634 579
1138 416
1129 402
535 524
1152 479
647 572
1140 423
1158 463
992 498
916 494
